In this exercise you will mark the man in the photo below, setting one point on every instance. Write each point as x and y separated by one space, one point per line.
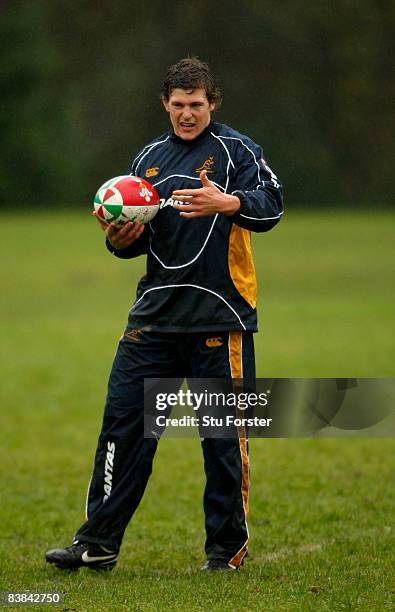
194 315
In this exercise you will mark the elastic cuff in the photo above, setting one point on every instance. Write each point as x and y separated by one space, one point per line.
243 202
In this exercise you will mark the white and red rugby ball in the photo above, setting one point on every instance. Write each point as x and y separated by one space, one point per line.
126 198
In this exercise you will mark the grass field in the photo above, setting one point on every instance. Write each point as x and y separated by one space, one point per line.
321 519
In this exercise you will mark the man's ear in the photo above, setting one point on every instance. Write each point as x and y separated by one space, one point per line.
165 103
212 106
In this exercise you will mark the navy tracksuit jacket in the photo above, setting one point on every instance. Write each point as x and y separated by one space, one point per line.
193 317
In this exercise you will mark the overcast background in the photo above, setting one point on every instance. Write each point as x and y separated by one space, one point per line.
312 82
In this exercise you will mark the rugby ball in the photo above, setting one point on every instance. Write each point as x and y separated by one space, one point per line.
126 198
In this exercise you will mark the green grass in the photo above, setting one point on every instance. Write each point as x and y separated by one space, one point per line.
321 510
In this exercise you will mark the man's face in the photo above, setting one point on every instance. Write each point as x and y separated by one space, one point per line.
190 111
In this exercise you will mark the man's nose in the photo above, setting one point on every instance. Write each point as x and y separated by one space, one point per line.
187 113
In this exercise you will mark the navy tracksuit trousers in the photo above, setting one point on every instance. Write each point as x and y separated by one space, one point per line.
123 461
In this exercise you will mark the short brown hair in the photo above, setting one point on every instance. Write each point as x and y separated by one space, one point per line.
191 73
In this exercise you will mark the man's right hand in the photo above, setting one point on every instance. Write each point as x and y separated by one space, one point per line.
120 237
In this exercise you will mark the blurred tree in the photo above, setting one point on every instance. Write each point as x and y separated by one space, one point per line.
313 82
39 119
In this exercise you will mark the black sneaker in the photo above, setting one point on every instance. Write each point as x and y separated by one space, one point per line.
215 565
82 554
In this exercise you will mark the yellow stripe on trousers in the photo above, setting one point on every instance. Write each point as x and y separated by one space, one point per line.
236 369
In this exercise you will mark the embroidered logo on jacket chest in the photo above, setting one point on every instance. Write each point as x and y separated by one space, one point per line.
207 166
152 171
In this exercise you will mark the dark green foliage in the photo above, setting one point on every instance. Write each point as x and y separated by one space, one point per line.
41 158
311 81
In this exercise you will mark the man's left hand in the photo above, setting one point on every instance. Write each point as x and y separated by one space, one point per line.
205 201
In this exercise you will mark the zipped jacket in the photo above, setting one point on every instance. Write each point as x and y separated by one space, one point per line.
200 273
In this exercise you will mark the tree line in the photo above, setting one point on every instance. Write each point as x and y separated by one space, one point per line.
312 82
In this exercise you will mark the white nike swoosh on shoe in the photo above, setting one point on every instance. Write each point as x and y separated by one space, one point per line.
87 559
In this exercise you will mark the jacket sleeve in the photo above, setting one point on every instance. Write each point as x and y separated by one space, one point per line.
258 189
138 247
